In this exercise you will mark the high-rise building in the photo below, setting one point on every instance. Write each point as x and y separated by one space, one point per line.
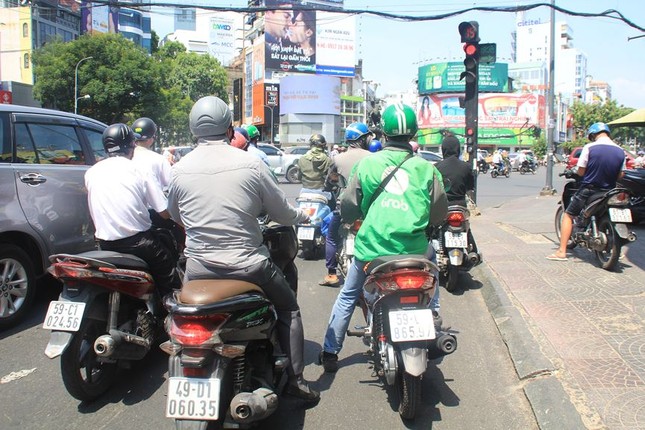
186 19
134 24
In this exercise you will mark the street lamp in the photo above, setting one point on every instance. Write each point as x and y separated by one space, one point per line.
76 97
271 127
86 96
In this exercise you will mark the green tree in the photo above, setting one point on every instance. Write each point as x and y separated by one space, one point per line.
586 114
154 42
120 78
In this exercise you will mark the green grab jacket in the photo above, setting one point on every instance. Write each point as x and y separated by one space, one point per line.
397 221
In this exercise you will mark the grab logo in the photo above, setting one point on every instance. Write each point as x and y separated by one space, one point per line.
395 204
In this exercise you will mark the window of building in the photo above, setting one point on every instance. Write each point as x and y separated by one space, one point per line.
25 30
25 61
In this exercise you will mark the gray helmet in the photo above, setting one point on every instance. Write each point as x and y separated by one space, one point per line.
210 116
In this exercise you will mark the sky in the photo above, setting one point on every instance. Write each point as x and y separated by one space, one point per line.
392 51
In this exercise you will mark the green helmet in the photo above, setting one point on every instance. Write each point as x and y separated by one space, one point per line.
252 131
399 120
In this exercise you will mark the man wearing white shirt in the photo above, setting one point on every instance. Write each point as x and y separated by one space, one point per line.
157 164
119 195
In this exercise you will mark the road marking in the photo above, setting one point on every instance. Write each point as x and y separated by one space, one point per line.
16 375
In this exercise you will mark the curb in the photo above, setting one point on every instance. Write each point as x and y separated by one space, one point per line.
550 403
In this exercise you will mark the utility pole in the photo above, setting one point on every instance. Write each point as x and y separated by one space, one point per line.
469 32
551 119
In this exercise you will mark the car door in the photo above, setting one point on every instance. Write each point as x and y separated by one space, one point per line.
274 155
49 167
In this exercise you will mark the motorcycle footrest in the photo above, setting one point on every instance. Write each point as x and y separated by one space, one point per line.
357 332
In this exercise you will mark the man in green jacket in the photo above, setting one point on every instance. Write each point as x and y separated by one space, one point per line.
395 223
314 165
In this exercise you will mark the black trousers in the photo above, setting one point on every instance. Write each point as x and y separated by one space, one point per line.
149 246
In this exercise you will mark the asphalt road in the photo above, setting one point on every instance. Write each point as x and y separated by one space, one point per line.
476 387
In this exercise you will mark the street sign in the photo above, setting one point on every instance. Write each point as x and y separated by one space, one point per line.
487 52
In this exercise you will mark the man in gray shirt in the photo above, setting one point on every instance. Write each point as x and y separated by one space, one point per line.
217 192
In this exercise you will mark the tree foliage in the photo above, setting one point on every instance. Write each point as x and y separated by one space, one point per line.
124 82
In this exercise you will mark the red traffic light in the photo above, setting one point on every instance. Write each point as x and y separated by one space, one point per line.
470 49
470 132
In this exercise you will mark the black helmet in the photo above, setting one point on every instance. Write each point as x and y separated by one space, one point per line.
145 128
118 139
318 140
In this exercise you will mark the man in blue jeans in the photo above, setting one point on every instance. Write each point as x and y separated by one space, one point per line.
394 223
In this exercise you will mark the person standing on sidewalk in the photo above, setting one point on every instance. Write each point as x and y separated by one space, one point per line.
357 136
395 223
600 164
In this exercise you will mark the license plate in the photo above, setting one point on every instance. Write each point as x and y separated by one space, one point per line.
406 326
349 245
306 233
620 215
65 316
193 398
456 240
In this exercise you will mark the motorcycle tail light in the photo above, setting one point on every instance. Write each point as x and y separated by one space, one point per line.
404 279
411 280
357 224
196 331
194 372
455 219
230 351
408 300
70 270
620 199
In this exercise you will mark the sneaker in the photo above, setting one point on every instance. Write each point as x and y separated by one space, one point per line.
329 361
330 280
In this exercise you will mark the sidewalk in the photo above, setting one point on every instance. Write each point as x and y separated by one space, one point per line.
575 332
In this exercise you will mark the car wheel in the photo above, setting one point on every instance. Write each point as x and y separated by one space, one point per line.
17 284
292 174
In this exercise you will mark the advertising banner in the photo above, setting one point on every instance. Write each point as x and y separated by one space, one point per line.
221 41
310 94
501 116
335 44
444 77
257 113
98 19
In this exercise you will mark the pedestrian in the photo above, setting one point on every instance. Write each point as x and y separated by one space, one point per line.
396 215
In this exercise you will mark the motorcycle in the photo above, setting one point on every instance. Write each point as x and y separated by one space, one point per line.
450 242
311 237
528 167
483 166
601 226
495 171
345 252
224 365
108 315
634 181
402 332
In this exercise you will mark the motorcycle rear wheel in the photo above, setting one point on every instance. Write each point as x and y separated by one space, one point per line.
308 250
84 377
409 389
493 173
452 278
558 225
609 256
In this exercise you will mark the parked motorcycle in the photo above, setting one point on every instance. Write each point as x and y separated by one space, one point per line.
528 167
495 171
312 240
450 241
224 366
345 252
601 227
108 315
634 181
402 332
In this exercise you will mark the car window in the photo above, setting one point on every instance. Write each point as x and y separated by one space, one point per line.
53 143
96 142
577 153
269 150
25 152
5 143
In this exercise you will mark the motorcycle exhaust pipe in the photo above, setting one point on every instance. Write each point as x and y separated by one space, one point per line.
105 345
444 344
474 258
121 345
249 407
631 236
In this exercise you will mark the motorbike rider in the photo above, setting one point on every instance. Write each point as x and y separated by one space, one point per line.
145 131
119 193
314 165
458 174
375 146
240 139
498 160
396 222
600 165
357 136
253 137
218 192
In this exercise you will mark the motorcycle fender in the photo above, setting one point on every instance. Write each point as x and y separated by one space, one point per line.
622 230
456 257
58 341
415 360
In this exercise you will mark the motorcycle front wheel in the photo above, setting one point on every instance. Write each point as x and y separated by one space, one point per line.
84 377
409 389
558 225
608 257
493 173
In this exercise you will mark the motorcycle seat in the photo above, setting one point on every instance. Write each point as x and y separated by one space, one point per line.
203 291
593 202
390 263
312 197
103 258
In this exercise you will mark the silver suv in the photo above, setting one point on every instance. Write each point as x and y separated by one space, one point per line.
45 154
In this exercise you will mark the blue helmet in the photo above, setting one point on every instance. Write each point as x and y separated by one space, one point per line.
355 131
596 128
375 146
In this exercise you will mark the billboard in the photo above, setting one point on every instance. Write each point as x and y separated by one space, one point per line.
501 116
310 94
309 41
444 77
98 19
221 40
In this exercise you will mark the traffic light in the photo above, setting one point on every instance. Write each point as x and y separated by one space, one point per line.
469 31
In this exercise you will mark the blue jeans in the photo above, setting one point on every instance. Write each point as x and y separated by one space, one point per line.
341 313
